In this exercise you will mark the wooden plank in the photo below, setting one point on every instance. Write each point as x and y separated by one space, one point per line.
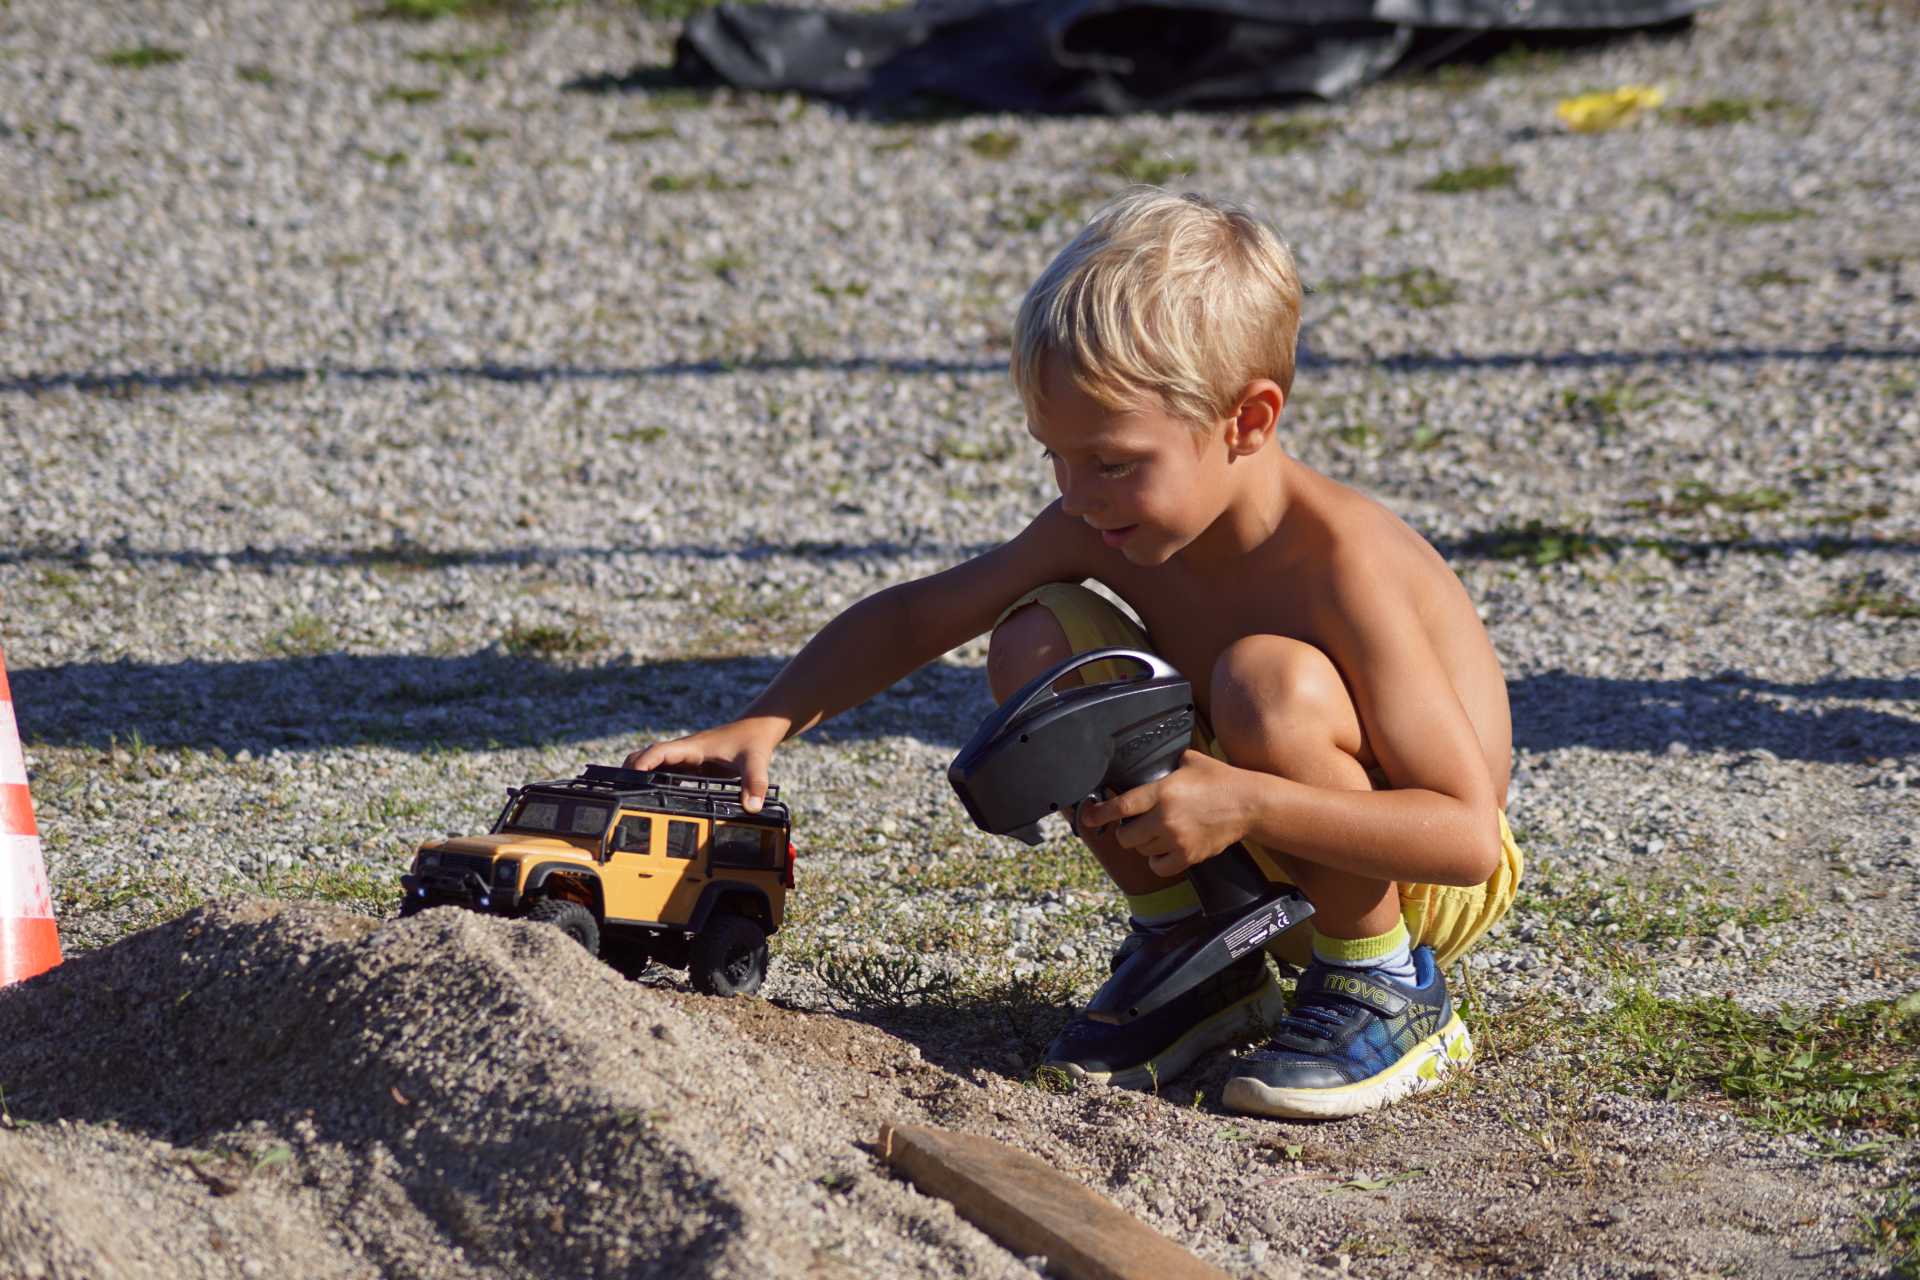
1030 1207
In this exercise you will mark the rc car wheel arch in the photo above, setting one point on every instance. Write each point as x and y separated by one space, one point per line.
579 882
741 900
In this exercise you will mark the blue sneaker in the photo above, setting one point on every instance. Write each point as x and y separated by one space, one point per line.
1239 1004
1354 1041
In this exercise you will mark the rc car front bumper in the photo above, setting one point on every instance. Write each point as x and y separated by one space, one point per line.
453 886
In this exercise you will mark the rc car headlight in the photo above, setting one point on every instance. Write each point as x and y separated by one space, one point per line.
428 861
506 873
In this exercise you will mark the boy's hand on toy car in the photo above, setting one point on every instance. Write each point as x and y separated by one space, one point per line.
1184 818
744 746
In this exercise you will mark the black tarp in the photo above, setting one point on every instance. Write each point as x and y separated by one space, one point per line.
1112 55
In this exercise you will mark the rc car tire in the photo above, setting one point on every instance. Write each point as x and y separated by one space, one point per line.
570 918
410 906
729 956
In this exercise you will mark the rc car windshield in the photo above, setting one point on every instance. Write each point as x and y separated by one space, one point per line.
552 816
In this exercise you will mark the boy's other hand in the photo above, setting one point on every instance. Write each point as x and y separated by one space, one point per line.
1182 819
744 746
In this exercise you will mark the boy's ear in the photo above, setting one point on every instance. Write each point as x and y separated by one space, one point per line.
1256 416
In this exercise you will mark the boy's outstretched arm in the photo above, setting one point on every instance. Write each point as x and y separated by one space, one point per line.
875 642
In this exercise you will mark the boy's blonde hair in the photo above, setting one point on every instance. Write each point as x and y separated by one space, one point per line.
1175 296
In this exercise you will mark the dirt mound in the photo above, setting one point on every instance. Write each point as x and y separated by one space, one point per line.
279 1089
266 1089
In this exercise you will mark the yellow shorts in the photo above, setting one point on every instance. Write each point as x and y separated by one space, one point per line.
1448 918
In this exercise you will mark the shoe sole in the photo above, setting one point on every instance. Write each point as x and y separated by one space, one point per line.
1422 1068
1248 1018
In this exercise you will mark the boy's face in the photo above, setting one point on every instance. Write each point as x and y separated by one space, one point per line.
1149 481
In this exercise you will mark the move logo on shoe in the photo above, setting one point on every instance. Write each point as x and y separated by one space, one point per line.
1355 987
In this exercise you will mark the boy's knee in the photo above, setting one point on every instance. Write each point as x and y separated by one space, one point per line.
1267 685
1027 642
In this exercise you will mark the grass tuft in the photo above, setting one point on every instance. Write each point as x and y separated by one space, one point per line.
648 134
871 981
1134 162
1834 1070
471 59
303 637
140 57
426 10
1278 135
669 182
412 97
1892 1230
548 640
1647 907
1761 217
993 144
1869 594
1480 177
1716 112
1421 288
1539 543
1695 497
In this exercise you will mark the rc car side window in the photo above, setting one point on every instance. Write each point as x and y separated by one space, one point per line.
633 835
740 846
683 839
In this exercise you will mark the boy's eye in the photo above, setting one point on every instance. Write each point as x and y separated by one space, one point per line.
1117 470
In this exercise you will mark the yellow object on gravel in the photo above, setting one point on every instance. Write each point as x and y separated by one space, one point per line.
1610 108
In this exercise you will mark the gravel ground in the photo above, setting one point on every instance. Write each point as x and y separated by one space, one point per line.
396 411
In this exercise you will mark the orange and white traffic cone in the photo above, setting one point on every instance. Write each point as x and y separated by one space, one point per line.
29 943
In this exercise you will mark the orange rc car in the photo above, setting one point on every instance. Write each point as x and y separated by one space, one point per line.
634 866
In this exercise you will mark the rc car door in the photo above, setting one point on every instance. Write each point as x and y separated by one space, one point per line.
654 868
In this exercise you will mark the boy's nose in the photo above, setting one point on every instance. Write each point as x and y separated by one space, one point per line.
1074 498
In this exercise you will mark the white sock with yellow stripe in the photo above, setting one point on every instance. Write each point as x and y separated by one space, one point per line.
1390 954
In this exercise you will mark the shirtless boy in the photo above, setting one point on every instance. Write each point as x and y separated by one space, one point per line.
1355 725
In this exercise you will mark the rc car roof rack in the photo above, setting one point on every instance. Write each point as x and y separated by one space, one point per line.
690 793
627 779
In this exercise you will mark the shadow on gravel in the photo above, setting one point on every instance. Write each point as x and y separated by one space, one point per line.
203 379
1002 1032
1543 543
490 700
1730 711
414 558
485 700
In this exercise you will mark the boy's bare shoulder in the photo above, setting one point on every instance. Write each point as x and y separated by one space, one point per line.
1365 554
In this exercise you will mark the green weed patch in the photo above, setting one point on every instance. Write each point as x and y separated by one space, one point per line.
1421 288
1539 543
141 57
1136 163
1645 908
1831 1070
473 60
1277 136
1869 594
1761 217
1694 497
993 144
549 640
1482 177
1713 113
